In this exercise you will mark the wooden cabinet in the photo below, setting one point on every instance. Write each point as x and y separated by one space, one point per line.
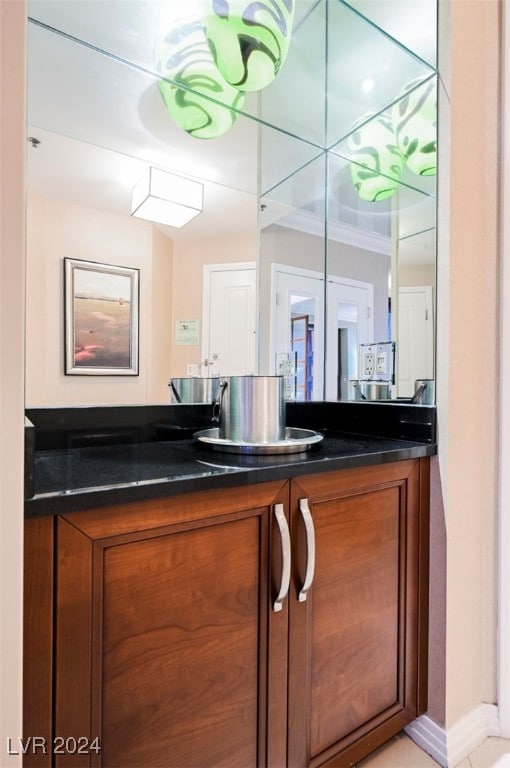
176 643
163 626
358 658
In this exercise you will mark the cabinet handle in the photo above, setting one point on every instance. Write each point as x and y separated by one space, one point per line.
310 545
285 539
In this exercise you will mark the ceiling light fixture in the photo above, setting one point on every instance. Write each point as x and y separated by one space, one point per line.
250 41
367 85
208 63
195 93
165 198
377 162
415 123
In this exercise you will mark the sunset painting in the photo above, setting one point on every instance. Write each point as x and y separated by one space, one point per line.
101 318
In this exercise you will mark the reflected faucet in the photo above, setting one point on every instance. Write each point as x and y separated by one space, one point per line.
209 362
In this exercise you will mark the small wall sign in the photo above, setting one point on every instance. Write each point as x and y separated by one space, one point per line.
187 332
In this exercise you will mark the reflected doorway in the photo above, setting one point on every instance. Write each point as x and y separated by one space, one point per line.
229 345
302 344
297 325
415 349
350 322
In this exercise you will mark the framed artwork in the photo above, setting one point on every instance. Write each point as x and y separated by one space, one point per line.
101 319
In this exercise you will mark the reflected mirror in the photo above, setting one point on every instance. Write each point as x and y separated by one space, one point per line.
294 256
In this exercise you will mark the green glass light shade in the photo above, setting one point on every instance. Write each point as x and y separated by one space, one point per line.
415 122
377 162
249 40
185 58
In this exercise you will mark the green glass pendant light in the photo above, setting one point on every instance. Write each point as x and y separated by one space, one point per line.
377 162
184 58
415 122
249 40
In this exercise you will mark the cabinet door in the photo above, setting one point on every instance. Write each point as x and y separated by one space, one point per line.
358 639
163 633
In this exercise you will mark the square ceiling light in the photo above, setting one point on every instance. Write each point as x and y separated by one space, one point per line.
165 198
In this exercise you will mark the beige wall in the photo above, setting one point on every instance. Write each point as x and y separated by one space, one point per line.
421 274
57 229
159 342
190 256
12 271
170 289
467 352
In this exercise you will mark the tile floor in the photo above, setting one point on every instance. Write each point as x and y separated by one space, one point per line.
402 752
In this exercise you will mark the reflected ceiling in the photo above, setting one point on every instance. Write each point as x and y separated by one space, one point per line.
95 106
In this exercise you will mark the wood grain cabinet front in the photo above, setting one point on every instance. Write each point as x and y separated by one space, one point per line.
282 624
163 630
359 636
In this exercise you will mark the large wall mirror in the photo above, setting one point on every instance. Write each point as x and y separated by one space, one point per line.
315 248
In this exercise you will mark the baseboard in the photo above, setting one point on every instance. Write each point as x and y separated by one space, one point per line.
430 737
449 747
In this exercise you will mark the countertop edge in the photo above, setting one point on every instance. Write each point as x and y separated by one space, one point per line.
79 500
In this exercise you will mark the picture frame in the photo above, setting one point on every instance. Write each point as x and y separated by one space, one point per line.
101 325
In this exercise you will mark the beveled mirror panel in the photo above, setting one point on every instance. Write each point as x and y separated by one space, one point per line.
281 216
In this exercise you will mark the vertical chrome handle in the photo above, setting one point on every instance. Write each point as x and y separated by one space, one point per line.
175 393
285 540
310 545
218 402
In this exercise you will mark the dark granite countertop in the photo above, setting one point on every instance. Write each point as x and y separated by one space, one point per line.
78 478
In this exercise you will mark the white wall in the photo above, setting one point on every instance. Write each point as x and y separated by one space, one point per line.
12 269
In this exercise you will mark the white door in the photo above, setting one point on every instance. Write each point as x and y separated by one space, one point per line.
229 319
415 348
299 293
350 322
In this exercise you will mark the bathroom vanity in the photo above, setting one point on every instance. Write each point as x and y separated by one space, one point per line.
234 611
